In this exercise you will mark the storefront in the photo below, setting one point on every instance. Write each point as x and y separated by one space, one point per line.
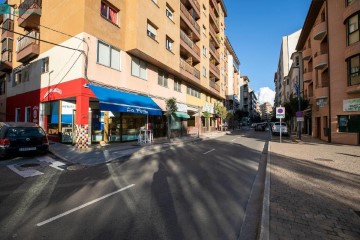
122 115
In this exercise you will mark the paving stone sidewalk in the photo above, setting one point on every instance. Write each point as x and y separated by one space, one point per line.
314 190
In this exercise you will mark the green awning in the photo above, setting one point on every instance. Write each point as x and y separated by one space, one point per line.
181 115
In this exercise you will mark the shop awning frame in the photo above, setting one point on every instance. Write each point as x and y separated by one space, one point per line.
182 115
119 101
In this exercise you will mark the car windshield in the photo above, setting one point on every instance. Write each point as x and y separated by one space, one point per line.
25 132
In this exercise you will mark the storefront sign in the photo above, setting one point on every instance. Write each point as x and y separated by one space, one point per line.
181 107
351 105
53 90
136 110
67 107
208 108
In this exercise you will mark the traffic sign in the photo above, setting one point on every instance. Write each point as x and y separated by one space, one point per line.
280 112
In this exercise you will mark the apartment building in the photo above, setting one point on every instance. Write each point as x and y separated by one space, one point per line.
232 78
283 87
101 70
330 49
266 111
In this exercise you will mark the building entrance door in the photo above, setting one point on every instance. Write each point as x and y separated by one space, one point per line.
318 127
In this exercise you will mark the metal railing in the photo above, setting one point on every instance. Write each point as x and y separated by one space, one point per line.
190 69
189 17
213 49
195 3
214 68
189 42
24 41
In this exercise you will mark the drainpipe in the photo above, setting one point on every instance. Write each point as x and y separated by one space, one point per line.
329 93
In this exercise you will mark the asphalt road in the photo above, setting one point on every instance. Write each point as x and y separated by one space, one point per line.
196 191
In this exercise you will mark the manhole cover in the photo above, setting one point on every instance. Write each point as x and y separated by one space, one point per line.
30 165
76 167
324 159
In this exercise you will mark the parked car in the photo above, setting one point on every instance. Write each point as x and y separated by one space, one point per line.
22 137
276 129
260 127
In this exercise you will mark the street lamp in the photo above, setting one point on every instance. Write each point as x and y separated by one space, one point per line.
297 88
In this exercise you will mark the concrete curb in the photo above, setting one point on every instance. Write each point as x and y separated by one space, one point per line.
265 216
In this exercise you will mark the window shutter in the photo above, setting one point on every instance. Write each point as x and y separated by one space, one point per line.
115 59
103 54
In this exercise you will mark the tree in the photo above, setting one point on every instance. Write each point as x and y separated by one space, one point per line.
292 107
221 111
171 108
207 115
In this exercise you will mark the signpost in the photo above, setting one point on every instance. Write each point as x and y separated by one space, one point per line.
280 113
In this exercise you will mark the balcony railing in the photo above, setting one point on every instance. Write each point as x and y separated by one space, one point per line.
214 85
189 17
189 42
190 69
215 6
215 37
213 49
215 69
24 41
215 20
27 4
196 4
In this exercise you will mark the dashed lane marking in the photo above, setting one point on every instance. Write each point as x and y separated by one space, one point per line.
209 151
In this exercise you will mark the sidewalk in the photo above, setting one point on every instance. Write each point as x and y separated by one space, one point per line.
97 154
314 190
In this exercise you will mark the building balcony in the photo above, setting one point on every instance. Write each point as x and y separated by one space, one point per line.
188 46
320 60
30 13
320 30
321 92
214 36
7 29
6 61
194 4
189 20
307 77
189 71
352 50
306 54
215 20
350 10
214 70
214 85
28 47
214 52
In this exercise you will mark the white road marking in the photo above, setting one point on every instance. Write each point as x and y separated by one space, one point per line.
233 139
52 162
24 173
209 151
82 206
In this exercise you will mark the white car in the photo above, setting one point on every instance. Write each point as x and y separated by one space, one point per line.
276 129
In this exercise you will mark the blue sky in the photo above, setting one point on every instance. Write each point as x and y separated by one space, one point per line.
255 28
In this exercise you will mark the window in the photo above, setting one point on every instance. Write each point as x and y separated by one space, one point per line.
169 44
204 30
27 114
349 2
349 123
45 65
193 92
7 44
297 61
109 12
162 78
138 68
169 12
204 71
353 29
177 85
353 70
108 56
17 114
204 51
151 31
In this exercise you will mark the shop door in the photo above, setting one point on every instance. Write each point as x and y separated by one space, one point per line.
318 127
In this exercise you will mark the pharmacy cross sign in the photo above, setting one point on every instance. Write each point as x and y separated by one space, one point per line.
280 112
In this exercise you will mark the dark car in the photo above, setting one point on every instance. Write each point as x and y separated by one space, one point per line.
22 137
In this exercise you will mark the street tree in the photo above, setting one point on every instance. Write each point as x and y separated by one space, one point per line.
171 108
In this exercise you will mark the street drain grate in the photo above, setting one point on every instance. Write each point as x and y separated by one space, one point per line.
357 212
324 159
30 165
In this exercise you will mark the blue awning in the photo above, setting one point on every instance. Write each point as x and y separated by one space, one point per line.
118 101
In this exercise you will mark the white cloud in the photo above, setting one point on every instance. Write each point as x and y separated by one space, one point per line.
265 94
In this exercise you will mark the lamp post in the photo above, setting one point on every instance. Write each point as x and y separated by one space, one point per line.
297 88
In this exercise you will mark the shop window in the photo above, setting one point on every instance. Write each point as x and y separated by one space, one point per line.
17 115
349 123
353 70
108 56
353 29
138 68
27 114
109 12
